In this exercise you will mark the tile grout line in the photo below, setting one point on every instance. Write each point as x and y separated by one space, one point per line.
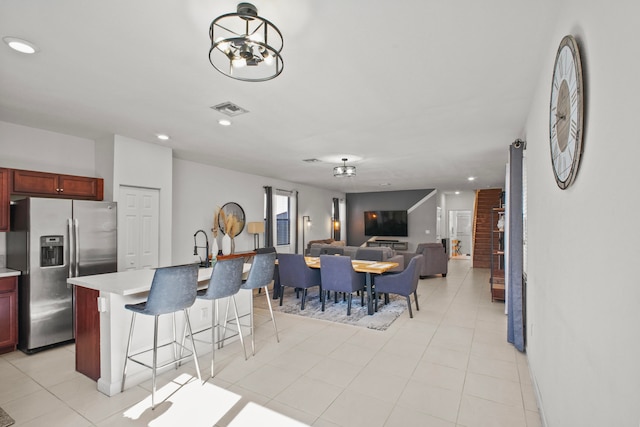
43 388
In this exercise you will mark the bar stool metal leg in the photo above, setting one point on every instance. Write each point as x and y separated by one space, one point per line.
235 310
155 362
126 355
193 344
273 319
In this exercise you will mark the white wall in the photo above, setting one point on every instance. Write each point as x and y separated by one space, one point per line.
465 201
198 189
317 204
23 147
583 290
140 164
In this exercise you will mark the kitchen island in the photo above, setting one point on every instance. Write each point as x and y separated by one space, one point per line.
102 323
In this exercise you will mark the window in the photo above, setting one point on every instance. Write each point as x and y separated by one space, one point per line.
283 220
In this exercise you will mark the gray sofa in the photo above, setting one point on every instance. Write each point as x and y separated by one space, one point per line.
358 252
436 260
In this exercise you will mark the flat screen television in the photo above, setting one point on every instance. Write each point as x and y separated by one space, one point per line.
385 223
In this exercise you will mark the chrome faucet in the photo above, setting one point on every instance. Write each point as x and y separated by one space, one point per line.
206 262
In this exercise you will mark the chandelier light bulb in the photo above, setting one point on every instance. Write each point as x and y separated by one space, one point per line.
223 46
238 62
268 59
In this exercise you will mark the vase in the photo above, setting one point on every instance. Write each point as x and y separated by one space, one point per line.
500 224
214 248
226 245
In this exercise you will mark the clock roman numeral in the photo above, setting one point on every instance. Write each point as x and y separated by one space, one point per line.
574 96
561 166
574 129
561 68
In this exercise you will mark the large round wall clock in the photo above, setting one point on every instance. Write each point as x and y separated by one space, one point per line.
566 113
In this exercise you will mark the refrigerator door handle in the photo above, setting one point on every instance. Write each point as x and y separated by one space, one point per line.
71 245
76 238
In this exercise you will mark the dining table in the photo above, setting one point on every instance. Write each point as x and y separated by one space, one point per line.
362 266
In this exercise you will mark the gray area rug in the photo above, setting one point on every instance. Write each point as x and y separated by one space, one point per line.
380 320
5 419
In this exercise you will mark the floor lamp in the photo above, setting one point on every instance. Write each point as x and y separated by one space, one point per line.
255 228
306 222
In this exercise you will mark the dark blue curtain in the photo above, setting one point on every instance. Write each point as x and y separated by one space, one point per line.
294 195
336 219
268 220
516 292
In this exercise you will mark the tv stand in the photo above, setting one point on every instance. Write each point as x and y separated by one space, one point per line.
391 243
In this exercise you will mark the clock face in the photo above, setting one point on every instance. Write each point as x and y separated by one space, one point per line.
566 113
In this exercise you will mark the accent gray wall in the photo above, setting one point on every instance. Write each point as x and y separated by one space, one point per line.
420 219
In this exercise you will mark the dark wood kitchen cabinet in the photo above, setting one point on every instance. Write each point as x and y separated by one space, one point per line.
8 314
87 331
44 184
4 199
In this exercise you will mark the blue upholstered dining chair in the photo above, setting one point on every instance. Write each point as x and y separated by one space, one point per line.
260 276
338 275
295 273
225 282
172 289
404 283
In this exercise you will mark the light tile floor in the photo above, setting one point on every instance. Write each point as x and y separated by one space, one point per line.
448 366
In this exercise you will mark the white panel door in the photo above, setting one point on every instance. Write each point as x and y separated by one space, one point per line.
138 216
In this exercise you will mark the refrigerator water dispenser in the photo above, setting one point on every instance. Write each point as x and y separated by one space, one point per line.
51 251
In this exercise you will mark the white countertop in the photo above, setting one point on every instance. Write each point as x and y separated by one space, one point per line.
126 282
6 272
132 281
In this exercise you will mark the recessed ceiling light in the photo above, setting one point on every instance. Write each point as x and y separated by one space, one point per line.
20 45
163 137
457 192
385 184
471 178
224 122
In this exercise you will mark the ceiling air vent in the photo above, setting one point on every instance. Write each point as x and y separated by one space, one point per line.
230 109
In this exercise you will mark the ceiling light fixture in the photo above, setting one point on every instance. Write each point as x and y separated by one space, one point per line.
224 122
344 170
162 137
20 45
471 178
245 46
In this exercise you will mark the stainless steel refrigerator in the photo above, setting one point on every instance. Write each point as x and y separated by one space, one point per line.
49 241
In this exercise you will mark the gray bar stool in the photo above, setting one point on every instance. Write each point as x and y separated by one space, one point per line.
260 276
225 282
172 289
